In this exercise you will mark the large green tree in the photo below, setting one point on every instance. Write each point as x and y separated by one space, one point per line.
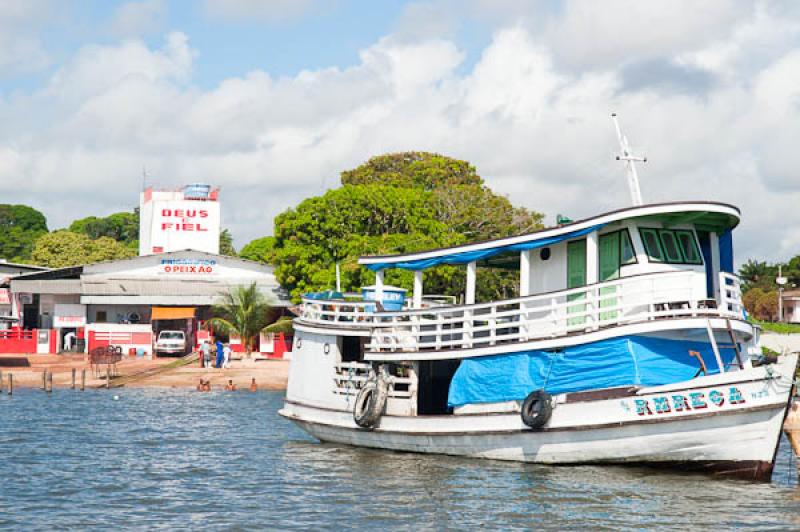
396 203
121 226
65 248
20 226
260 250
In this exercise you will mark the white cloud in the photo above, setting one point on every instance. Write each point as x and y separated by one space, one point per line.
21 48
134 19
531 114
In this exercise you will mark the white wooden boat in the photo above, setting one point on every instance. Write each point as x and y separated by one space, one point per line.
628 343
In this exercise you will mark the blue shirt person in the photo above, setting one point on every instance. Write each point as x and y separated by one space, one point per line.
220 354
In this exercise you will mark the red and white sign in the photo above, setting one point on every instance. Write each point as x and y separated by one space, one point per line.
5 296
69 315
188 266
170 223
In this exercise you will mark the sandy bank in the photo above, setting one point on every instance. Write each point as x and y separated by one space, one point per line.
28 369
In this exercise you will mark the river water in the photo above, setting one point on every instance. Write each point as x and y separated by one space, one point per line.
175 459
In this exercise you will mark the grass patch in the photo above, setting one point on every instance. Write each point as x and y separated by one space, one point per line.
780 328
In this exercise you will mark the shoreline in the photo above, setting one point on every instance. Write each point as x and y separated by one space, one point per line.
27 372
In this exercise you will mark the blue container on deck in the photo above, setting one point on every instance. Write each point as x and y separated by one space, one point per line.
197 191
393 297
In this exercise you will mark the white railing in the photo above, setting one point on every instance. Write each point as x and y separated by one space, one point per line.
349 377
730 294
338 312
574 311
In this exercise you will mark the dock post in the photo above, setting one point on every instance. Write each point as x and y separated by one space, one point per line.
1 382
791 426
73 378
83 379
108 376
50 382
44 380
10 383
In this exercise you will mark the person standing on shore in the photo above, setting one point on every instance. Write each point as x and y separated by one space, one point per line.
253 385
206 351
226 352
220 355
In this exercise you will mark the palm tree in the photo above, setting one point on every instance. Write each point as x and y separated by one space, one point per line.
244 311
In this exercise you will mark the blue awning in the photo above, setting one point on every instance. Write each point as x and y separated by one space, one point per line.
465 257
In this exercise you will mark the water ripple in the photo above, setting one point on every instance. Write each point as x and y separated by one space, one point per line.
170 459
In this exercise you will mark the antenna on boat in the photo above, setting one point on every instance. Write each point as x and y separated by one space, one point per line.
630 167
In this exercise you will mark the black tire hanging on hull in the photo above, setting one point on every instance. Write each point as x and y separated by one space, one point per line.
537 409
370 402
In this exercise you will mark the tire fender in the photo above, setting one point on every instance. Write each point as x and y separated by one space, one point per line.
537 409
370 403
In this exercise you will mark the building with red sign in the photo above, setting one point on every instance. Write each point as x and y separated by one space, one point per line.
126 302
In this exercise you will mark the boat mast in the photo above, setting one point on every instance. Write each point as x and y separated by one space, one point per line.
630 167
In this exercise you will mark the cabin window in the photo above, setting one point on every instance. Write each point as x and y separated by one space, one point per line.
626 253
670 245
652 245
689 247
673 246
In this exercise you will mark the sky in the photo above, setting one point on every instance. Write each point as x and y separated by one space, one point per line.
271 99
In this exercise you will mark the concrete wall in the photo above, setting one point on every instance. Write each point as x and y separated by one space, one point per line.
780 342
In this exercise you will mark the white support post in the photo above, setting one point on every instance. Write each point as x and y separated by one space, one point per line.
472 273
713 239
417 302
713 341
379 286
525 287
592 275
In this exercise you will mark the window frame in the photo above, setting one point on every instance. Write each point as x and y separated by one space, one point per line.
677 246
662 248
650 257
634 259
695 245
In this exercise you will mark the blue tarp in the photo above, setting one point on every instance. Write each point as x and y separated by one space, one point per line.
627 361
470 256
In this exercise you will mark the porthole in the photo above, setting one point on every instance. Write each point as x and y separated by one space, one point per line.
544 253
326 348
298 343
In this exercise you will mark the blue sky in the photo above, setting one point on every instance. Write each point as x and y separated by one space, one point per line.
271 99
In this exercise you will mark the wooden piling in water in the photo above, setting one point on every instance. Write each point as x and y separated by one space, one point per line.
73 378
44 380
83 379
1 382
10 383
50 382
108 376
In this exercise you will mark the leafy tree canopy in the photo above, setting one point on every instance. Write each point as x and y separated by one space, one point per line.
66 248
413 169
392 204
121 226
226 243
260 250
20 226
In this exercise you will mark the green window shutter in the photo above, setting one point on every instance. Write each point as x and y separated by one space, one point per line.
576 276
609 247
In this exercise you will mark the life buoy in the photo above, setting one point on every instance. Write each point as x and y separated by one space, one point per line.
536 409
370 402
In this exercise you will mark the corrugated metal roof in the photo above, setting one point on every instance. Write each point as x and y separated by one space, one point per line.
143 290
49 286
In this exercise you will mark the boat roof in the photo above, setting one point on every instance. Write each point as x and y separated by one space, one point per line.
703 215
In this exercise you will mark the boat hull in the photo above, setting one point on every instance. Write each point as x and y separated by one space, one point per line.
737 438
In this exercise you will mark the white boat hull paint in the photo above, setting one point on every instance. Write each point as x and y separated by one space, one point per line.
735 434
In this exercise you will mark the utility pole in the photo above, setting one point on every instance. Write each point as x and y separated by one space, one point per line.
781 280
630 168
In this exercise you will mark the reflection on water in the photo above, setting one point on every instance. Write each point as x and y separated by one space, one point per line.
179 459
